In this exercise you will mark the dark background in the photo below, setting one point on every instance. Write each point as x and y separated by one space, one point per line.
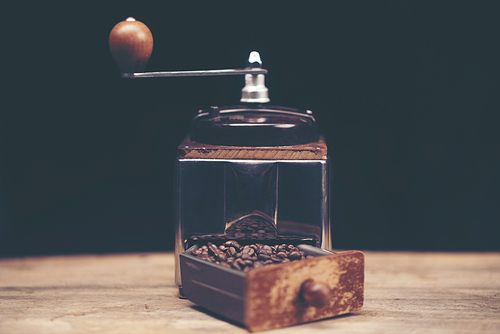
406 93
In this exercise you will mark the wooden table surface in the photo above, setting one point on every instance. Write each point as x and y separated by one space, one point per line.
405 292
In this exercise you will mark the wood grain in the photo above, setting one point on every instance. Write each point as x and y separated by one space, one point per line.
135 293
193 150
271 294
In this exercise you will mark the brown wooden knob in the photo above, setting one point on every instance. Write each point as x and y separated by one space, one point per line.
131 44
315 294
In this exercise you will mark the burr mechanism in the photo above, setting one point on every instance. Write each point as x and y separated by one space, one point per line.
252 223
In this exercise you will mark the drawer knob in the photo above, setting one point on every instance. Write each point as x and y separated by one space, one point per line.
315 294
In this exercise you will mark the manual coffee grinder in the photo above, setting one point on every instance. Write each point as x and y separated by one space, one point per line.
252 172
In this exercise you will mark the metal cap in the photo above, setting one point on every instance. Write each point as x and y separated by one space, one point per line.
255 90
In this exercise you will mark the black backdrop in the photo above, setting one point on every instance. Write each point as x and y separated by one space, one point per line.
406 93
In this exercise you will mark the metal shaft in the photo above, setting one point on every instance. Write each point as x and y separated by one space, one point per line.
198 73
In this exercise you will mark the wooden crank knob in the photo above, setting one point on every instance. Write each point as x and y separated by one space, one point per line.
131 44
315 294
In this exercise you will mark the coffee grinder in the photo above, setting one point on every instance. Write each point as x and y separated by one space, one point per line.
252 172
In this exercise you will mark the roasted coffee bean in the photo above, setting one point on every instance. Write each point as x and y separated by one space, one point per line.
235 265
281 255
231 251
249 251
212 248
294 256
233 243
267 249
263 257
221 257
197 251
276 259
210 258
222 248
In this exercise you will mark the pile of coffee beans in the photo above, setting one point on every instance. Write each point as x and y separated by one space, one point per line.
231 254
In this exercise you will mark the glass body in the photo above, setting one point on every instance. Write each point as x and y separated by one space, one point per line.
252 173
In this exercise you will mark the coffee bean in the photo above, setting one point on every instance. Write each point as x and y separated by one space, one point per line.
221 257
263 257
233 243
267 249
281 255
212 248
294 256
275 259
249 251
231 251
210 258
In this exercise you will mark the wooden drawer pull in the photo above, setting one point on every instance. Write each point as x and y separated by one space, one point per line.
315 294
